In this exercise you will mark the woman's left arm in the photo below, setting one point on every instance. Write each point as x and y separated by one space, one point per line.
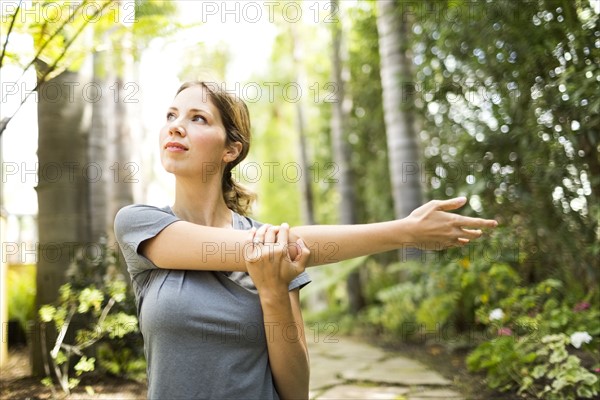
286 343
271 270
429 227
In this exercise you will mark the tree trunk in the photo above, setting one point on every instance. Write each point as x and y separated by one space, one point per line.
308 214
97 147
123 171
63 206
341 156
397 77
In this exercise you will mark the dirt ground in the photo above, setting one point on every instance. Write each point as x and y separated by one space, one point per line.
15 383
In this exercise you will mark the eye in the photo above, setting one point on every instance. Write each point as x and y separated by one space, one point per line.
170 116
198 118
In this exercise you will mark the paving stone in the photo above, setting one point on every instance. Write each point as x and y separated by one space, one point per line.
343 347
397 371
364 393
436 394
337 365
324 372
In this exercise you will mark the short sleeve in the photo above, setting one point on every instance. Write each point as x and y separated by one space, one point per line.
300 281
133 225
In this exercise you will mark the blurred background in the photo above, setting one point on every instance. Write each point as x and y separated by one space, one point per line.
361 112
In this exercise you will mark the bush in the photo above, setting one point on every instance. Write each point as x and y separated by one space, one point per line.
97 296
542 344
21 294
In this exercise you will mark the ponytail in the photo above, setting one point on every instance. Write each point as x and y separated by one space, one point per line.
237 197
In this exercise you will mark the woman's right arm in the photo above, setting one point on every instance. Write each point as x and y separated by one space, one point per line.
184 245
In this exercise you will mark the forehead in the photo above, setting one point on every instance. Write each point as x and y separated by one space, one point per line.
195 97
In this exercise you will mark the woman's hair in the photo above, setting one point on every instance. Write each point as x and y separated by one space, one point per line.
236 120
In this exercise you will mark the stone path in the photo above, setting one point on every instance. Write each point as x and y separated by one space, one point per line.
344 368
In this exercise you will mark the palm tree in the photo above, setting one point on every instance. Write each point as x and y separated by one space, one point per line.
64 209
396 76
341 156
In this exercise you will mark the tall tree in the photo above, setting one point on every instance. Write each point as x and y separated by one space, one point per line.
341 154
308 213
69 180
396 78
64 212
75 115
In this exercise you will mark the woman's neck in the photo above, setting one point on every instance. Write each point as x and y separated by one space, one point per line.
201 203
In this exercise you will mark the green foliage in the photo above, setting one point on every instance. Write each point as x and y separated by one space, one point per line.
21 293
533 346
512 123
118 359
366 134
439 295
96 297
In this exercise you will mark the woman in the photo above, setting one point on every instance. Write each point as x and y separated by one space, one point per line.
217 292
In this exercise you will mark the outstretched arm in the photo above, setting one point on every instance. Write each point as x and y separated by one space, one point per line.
183 245
429 227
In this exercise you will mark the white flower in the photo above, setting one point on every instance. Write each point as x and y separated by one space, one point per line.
578 338
496 314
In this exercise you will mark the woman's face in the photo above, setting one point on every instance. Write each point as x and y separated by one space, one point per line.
192 141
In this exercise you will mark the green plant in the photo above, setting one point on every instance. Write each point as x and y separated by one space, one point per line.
558 374
91 296
439 297
89 302
541 343
21 293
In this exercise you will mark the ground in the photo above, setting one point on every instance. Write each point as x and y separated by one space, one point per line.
16 384
350 368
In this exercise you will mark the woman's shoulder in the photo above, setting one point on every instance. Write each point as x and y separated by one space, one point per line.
144 209
135 215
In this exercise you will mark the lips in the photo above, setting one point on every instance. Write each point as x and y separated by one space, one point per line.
175 146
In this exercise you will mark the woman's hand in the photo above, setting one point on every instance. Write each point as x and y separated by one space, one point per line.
268 259
432 228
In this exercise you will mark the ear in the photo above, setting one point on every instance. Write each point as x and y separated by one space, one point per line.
232 152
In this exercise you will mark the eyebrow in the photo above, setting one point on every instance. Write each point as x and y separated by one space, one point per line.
194 110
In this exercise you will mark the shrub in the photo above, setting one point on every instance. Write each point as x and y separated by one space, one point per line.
541 344
97 296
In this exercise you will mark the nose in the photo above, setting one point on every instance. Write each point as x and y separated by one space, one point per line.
175 128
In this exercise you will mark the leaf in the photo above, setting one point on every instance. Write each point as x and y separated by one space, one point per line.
85 365
558 355
47 313
539 371
90 297
73 382
60 358
47 381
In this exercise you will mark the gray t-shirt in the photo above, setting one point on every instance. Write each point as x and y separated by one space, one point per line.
204 335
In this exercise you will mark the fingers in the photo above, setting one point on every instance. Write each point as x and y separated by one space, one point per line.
259 237
476 222
267 233
302 258
450 204
252 255
271 234
472 233
251 235
283 235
